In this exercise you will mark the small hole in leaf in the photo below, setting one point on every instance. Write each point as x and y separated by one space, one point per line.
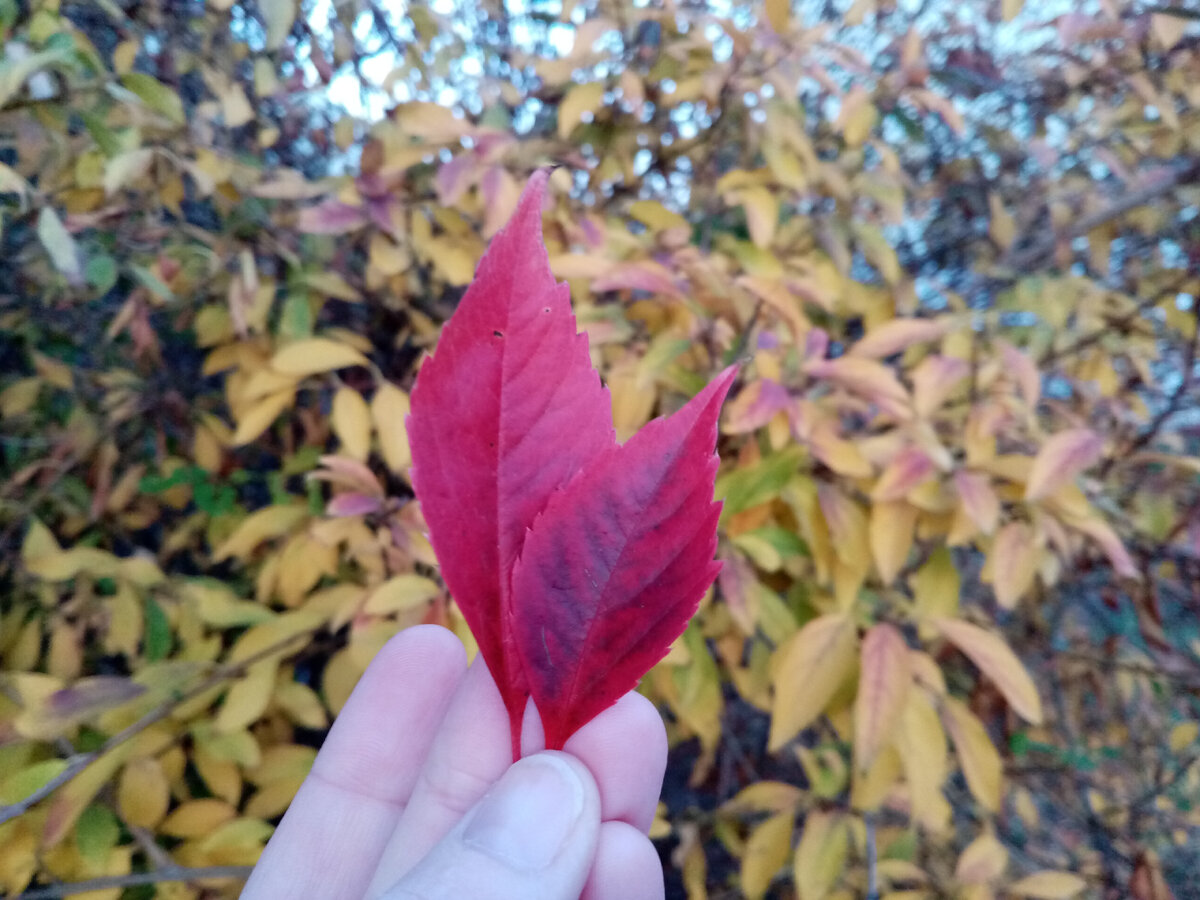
498 333
547 309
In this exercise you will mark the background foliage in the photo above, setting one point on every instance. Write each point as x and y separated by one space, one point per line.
953 652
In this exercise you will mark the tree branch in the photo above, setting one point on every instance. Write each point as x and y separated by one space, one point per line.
80 761
1030 258
171 873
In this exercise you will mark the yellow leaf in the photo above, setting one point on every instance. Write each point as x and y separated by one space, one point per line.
1047 885
812 665
762 214
258 418
301 704
389 409
883 685
765 796
982 861
872 380
399 594
387 257
430 121
994 658
19 397
341 675
1013 563
857 117
976 754
352 423
580 100
1003 227
53 371
778 14
657 217
1183 736
247 699
897 335
260 526
921 743
820 855
222 776
892 532
1063 457
632 400
767 850
936 586
277 633
197 818
308 357
1009 9
278 16
261 384
143 794
126 168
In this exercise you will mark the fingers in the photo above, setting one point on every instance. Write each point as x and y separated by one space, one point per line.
625 748
534 834
470 753
627 866
332 836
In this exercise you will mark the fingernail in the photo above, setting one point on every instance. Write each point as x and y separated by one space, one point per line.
528 815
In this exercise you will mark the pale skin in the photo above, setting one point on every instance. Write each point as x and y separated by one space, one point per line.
414 795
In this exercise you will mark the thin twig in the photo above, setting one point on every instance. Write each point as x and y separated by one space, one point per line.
1029 259
76 764
872 859
172 873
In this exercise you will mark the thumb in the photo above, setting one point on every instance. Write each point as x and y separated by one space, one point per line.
532 835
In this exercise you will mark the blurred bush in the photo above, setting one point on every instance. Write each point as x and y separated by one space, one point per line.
953 651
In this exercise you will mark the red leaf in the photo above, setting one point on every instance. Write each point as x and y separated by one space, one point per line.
617 564
503 415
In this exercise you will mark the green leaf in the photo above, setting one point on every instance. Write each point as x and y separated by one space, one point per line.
61 246
14 71
158 632
96 833
744 488
155 95
101 273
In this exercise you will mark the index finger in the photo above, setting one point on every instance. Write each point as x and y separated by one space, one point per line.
332 836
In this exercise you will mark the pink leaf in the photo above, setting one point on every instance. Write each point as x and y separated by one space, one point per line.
331 217
503 415
617 564
352 505
1063 457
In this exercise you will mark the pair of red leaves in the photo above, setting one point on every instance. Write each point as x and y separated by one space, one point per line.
575 561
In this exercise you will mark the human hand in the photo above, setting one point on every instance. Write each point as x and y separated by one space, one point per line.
414 795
